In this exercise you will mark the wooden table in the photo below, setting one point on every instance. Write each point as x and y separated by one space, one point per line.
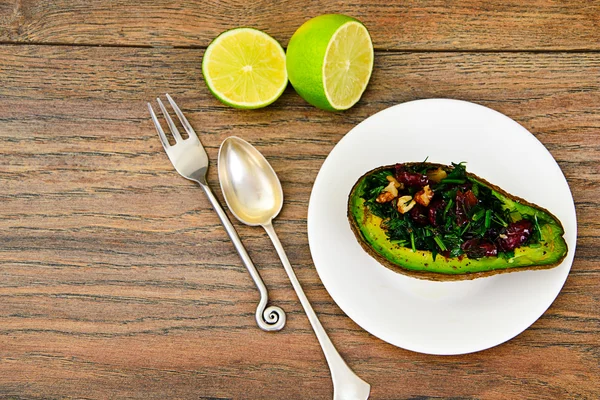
116 278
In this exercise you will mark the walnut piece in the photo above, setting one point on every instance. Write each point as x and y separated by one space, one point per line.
389 193
405 204
397 184
424 196
436 175
384 197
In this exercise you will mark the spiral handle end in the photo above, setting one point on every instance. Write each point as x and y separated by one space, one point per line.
271 318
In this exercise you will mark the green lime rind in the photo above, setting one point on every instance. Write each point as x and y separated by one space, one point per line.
305 57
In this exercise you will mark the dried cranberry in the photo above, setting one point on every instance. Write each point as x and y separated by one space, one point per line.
410 178
492 234
477 248
470 199
419 215
464 202
435 208
489 247
514 235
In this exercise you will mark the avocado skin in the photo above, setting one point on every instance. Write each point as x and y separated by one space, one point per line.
420 264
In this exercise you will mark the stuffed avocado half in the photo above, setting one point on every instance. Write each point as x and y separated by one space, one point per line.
439 222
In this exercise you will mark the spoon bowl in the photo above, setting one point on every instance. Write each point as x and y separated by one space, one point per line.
249 184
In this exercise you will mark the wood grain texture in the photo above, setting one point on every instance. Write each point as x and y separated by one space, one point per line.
117 280
406 25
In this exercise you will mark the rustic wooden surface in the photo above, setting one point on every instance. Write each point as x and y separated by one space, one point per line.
116 278
406 25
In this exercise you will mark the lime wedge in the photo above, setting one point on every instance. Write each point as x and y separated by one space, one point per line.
245 68
330 60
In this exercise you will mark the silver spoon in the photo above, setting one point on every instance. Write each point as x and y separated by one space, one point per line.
253 194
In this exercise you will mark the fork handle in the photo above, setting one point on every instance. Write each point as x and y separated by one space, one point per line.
270 318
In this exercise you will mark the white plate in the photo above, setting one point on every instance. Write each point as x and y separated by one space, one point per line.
424 316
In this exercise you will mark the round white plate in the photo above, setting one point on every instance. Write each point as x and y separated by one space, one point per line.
424 316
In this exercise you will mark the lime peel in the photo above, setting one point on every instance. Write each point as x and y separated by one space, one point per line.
330 61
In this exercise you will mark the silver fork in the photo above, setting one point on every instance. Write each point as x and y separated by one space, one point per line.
189 158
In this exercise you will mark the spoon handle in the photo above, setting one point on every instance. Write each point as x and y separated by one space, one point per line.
346 384
268 318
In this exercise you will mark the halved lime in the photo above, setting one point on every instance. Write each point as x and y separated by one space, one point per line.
330 60
245 68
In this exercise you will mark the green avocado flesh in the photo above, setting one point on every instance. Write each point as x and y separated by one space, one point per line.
547 250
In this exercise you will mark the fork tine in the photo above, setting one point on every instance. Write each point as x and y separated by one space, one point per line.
172 126
161 133
186 125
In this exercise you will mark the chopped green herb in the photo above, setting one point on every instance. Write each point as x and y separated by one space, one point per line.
537 234
440 243
448 180
478 215
465 229
506 254
488 219
499 220
450 204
